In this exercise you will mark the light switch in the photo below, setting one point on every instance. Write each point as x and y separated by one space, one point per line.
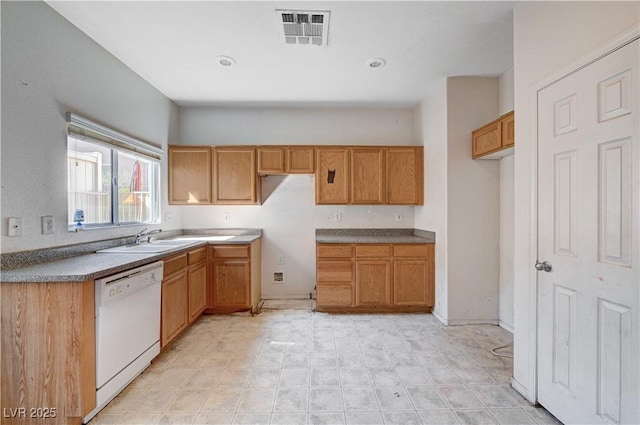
15 226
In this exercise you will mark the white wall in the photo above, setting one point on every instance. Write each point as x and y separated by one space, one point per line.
461 199
506 212
288 215
472 204
49 68
548 36
431 130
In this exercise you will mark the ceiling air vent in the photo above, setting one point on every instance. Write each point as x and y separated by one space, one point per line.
308 27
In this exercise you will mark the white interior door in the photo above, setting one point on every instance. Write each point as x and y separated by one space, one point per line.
588 226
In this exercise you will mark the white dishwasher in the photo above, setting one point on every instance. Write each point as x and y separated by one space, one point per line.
127 329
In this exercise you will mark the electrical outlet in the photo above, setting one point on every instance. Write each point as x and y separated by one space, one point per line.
398 217
227 216
281 260
337 216
167 217
47 225
15 226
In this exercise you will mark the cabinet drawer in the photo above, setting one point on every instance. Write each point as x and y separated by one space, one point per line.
197 255
240 251
334 271
373 250
175 264
412 250
334 251
334 295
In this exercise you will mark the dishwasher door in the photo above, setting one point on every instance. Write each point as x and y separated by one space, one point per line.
127 319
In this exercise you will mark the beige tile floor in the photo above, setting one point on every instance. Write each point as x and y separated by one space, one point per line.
299 367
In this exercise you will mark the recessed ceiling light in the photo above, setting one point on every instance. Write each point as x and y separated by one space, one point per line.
225 61
375 63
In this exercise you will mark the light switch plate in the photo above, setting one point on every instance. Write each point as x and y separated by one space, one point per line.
14 226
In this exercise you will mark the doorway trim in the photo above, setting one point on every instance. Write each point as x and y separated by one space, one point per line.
628 36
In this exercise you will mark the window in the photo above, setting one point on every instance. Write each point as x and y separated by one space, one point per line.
111 180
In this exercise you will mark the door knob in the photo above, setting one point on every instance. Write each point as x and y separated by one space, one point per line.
544 266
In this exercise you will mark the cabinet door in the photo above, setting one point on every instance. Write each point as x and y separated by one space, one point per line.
300 160
373 282
235 176
271 160
367 176
175 312
231 284
410 282
197 290
189 175
487 139
332 176
405 176
508 130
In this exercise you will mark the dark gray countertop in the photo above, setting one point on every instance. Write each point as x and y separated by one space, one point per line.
92 265
347 236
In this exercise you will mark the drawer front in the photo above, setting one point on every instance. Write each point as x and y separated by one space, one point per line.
175 264
334 271
412 250
231 251
335 295
197 255
373 250
334 251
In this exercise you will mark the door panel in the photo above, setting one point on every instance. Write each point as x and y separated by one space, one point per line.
588 218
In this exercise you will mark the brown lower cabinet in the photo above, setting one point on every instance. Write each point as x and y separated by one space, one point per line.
235 278
183 292
375 277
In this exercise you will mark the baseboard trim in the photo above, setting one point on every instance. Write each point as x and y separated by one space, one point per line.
440 318
505 326
460 322
519 388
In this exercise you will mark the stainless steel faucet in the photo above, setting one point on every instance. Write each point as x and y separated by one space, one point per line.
139 235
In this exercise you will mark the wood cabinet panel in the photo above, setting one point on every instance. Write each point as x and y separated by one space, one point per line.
334 295
235 176
413 250
373 250
405 176
367 176
231 251
231 283
300 160
508 130
410 282
197 290
334 251
197 255
373 282
175 309
271 160
494 140
190 175
48 350
174 264
332 176
334 271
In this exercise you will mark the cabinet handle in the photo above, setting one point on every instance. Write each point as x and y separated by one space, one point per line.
331 176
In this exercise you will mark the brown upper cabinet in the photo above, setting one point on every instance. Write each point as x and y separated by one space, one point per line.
332 175
228 175
189 175
286 160
367 176
405 176
234 176
496 139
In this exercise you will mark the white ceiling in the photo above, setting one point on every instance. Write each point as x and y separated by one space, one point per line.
173 45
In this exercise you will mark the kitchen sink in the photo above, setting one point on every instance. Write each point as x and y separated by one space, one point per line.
153 247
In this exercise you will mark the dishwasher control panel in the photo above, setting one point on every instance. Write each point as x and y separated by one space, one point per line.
117 286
